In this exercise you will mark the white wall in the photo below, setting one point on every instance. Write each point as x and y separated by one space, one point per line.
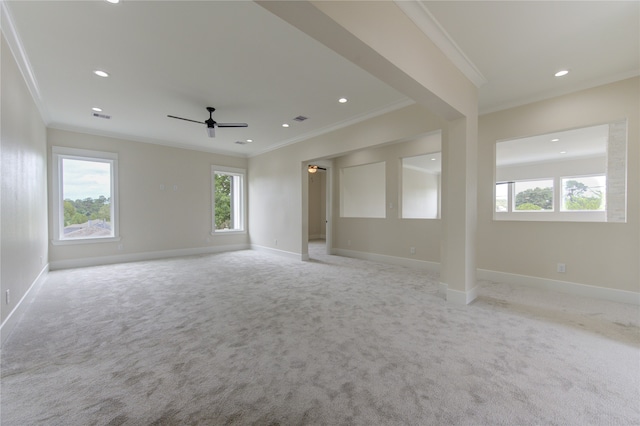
420 193
23 196
152 220
598 254
363 190
391 235
553 169
276 189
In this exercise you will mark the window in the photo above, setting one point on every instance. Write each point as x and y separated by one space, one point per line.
421 186
574 175
534 195
228 199
503 196
85 196
584 193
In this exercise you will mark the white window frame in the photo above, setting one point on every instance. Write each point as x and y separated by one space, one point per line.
58 155
555 215
239 199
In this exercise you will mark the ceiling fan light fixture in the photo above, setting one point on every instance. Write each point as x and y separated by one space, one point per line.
211 130
312 168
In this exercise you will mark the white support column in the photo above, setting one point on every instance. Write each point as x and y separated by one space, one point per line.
459 216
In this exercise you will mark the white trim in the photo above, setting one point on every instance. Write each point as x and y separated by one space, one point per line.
85 241
603 293
427 23
461 297
19 53
611 294
239 199
442 289
282 253
424 265
16 314
142 256
58 153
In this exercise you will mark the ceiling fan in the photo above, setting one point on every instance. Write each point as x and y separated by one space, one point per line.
211 124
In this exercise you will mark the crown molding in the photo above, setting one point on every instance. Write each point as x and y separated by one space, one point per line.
15 45
427 23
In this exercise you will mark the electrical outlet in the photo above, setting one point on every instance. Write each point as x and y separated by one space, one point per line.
275 241
562 268
412 250
7 297
120 246
349 243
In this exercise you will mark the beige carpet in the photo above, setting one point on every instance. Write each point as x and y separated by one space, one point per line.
249 338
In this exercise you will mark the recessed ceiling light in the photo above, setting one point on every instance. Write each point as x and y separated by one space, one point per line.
249 140
342 100
285 125
114 1
96 109
433 159
101 73
561 73
563 152
555 140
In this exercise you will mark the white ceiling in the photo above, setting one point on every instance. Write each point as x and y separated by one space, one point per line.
176 57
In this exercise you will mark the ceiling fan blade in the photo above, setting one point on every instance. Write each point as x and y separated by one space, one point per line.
232 125
186 119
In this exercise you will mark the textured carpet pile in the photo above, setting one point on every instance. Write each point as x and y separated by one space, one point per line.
250 338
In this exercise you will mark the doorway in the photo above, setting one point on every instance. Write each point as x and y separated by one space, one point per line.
319 210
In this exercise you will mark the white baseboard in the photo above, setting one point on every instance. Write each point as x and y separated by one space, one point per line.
14 316
442 289
456 296
578 289
282 253
393 260
603 293
137 257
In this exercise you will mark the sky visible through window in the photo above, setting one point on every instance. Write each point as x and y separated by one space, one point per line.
85 179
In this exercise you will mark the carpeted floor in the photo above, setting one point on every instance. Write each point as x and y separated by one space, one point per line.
249 338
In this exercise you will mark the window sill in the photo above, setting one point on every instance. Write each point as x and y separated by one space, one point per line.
228 232
551 217
84 241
